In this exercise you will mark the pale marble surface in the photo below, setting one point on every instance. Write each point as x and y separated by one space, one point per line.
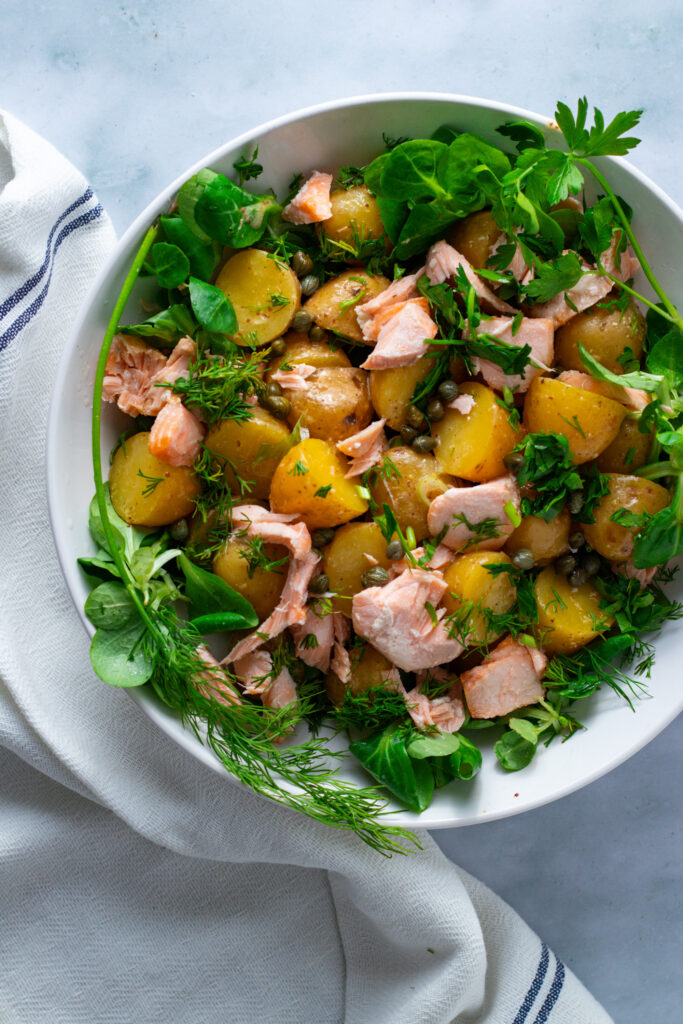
134 93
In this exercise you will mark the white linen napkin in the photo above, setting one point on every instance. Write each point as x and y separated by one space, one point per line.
137 885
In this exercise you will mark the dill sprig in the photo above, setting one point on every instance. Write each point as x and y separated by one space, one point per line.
368 710
218 386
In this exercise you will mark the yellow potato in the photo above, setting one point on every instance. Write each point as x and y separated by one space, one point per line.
334 304
628 451
632 493
146 491
345 560
243 445
368 669
606 333
392 389
474 235
409 495
265 295
589 421
355 216
310 480
261 586
334 405
473 446
546 541
302 349
472 590
567 615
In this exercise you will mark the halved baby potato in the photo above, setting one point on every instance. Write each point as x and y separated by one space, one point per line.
568 617
355 215
346 560
146 491
334 304
250 450
310 481
589 421
473 590
472 445
265 295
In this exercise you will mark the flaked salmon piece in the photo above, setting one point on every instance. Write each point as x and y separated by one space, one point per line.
340 662
178 363
462 403
632 398
396 620
317 651
281 692
312 203
290 610
443 262
508 679
403 339
295 379
481 504
213 682
255 671
364 448
380 320
445 713
622 266
273 528
443 556
176 435
538 334
245 514
398 291
130 370
628 569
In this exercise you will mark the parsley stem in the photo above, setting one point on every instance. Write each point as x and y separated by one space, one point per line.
655 470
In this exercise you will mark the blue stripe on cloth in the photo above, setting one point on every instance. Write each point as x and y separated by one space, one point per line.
553 994
27 286
15 328
535 986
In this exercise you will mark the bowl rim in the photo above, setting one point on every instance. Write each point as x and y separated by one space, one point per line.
136 229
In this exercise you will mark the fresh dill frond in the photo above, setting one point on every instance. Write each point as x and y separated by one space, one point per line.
254 553
219 387
369 710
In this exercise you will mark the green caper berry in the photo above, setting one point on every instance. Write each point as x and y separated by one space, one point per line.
321 538
575 502
424 443
435 410
279 346
576 540
394 550
302 321
408 434
180 530
523 559
273 388
396 442
302 263
319 584
316 333
278 406
514 461
375 577
590 564
577 578
414 417
565 564
309 284
448 390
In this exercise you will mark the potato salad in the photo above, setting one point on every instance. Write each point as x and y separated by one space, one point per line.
403 461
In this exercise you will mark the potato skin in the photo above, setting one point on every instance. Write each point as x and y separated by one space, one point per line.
249 279
473 446
302 349
353 208
293 491
367 670
632 493
566 614
241 443
606 333
551 405
262 588
628 451
409 495
345 560
474 235
169 500
324 305
392 389
335 405
468 579
546 541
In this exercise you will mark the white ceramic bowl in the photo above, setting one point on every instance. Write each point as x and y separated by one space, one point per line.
343 132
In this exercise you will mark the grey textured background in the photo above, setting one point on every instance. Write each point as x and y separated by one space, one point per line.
135 93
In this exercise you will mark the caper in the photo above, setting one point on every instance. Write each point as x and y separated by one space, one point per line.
309 284
576 540
414 417
575 502
590 564
424 443
279 346
319 584
395 550
279 406
565 564
180 530
448 390
523 559
321 538
514 461
316 333
273 388
435 410
375 577
577 578
408 434
396 442
302 321
302 263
